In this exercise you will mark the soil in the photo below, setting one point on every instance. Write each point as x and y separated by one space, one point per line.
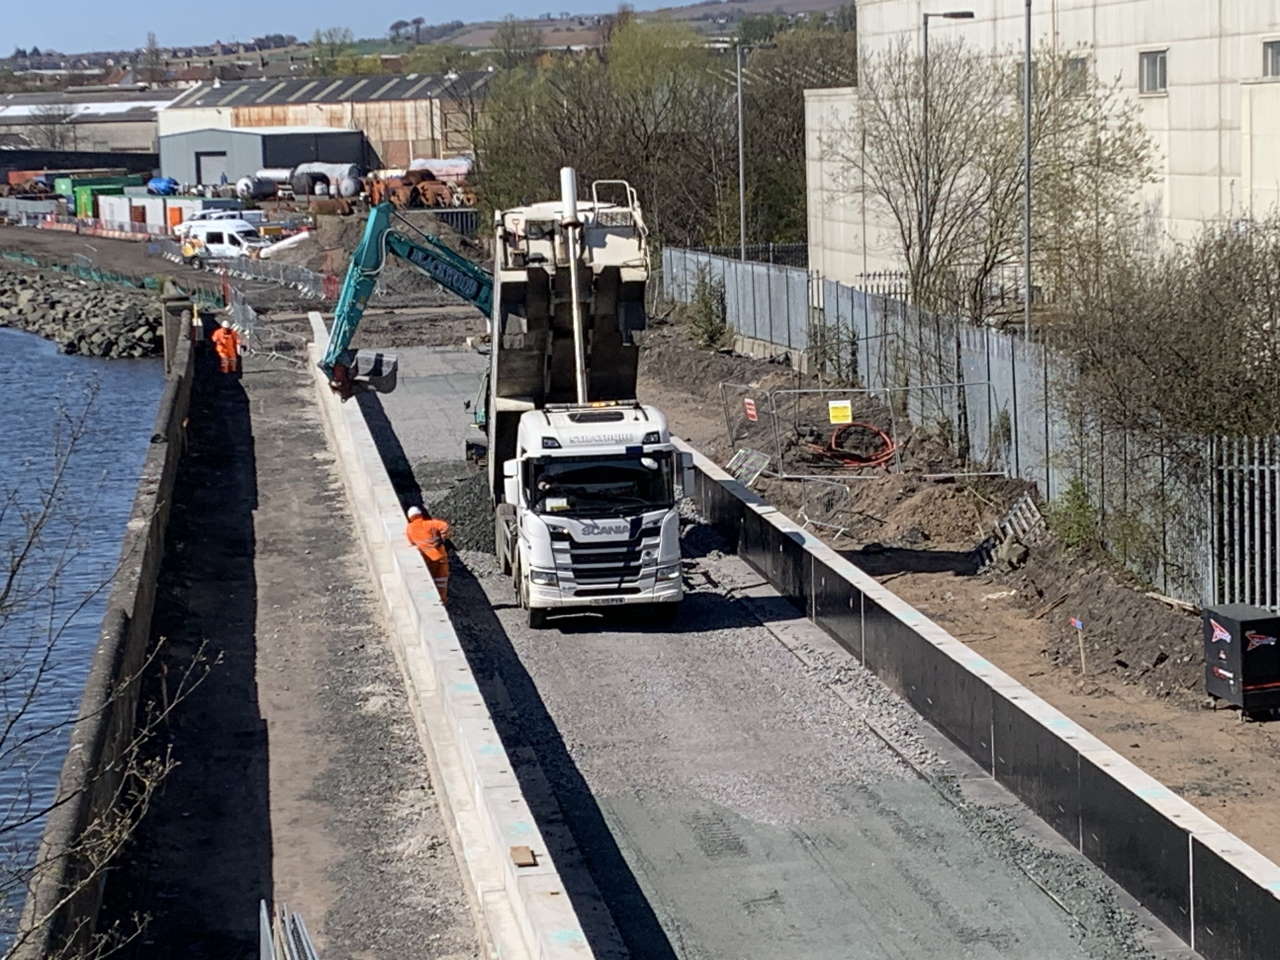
1141 691
335 239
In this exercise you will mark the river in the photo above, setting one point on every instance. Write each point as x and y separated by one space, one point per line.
62 591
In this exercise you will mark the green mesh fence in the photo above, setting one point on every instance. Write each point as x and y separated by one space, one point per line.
83 271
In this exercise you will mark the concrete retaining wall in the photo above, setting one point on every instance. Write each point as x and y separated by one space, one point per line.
91 773
523 912
1218 894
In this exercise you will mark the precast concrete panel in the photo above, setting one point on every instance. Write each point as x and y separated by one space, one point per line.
837 607
1234 917
1136 845
1037 765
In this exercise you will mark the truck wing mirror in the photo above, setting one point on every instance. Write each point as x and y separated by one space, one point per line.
509 470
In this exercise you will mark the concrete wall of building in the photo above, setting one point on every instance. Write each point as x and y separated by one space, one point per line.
109 136
178 153
1214 65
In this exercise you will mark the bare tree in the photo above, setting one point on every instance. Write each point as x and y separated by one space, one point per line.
952 212
329 48
152 62
50 126
39 537
516 42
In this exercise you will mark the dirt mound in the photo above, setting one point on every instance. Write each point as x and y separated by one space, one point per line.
1126 634
335 238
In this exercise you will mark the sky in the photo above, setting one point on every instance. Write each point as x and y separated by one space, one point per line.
83 25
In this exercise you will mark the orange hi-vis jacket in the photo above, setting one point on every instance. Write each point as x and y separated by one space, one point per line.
428 535
226 342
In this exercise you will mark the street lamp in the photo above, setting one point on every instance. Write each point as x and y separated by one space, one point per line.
738 47
926 208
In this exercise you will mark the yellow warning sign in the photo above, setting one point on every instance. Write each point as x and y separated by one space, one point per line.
840 411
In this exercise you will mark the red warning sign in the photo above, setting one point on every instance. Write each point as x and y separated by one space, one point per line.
749 406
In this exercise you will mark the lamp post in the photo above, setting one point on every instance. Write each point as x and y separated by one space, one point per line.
742 171
926 207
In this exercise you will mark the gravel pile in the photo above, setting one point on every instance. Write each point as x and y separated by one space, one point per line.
459 493
80 317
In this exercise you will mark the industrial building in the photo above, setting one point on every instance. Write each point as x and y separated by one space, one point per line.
114 120
402 117
212 156
1206 78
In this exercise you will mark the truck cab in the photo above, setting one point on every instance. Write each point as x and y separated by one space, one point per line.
595 490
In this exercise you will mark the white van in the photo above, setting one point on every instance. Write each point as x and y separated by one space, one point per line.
220 240
205 216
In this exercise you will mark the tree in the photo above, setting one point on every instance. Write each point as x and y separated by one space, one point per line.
397 29
516 42
50 126
329 46
152 62
845 17
417 23
954 215
761 28
438 58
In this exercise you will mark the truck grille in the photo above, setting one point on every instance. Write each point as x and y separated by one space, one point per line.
603 566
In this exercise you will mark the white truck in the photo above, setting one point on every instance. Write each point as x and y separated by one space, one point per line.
585 480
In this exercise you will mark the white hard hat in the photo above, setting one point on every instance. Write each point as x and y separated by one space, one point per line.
413 512
226 324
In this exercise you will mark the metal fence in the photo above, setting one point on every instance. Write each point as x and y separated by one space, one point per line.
318 286
786 254
1199 521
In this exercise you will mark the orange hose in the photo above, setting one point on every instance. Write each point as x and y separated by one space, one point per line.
845 458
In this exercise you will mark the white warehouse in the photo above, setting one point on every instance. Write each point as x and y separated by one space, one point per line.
1206 76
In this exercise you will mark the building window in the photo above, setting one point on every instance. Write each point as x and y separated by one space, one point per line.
1153 72
1271 58
1075 77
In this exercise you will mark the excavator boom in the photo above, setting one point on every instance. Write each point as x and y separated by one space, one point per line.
350 370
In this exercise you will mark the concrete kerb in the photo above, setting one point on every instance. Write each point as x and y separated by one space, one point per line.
1061 736
522 912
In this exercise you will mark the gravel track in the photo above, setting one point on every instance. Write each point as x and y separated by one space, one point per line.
731 799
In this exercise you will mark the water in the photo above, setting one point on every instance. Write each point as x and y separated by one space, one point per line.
49 625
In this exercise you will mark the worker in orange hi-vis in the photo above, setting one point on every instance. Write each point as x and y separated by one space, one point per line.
428 534
226 343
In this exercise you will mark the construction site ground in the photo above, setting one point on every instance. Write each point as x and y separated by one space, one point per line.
1142 692
299 777
1143 705
724 777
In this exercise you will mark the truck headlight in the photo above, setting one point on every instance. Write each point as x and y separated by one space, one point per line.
669 572
544 578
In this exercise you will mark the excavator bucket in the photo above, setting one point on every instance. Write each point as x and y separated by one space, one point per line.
372 370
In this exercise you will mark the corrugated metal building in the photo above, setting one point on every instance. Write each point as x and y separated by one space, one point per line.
402 117
105 120
203 156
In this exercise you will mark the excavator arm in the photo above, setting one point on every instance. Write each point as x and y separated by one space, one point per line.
349 370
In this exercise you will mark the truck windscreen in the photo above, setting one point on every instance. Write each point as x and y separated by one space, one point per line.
595 486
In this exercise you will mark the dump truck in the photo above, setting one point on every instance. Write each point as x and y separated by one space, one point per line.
584 479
